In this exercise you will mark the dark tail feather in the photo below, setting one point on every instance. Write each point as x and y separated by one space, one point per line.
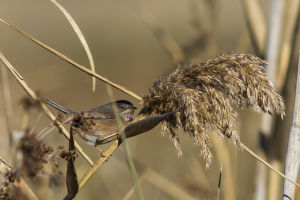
58 107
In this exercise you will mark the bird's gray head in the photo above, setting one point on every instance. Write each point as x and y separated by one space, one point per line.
126 110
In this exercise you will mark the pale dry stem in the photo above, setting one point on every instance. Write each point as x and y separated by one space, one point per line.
256 25
81 38
106 154
69 60
22 185
244 147
31 93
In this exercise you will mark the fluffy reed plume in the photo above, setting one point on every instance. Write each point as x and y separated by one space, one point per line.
207 95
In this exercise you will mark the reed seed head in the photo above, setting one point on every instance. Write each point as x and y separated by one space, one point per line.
206 97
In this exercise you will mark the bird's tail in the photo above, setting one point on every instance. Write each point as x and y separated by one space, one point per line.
58 107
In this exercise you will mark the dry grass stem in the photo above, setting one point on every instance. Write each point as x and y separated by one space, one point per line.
274 38
130 192
167 42
165 39
167 186
170 188
36 122
275 182
106 154
125 145
8 113
289 36
198 173
223 156
67 59
272 56
21 184
243 42
244 147
293 149
260 177
206 96
31 93
50 128
80 36
27 193
7 98
256 25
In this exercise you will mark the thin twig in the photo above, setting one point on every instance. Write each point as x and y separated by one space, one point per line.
31 93
35 123
45 132
81 38
244 147
69 60
106 154
126 147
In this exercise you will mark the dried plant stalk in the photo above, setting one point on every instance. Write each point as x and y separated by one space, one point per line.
256 24
80 37
107 153
69 60
127 152
290 31
21 184
31 93
293 149
163 184
206 96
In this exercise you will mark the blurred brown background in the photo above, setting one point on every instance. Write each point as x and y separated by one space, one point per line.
125 38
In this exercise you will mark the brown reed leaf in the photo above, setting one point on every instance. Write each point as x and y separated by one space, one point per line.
206 97
71 176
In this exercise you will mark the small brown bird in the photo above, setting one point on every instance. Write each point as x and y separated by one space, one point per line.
98 125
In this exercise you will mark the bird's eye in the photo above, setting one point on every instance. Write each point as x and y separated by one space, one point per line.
122 107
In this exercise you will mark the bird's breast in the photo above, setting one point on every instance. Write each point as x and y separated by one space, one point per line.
96 132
